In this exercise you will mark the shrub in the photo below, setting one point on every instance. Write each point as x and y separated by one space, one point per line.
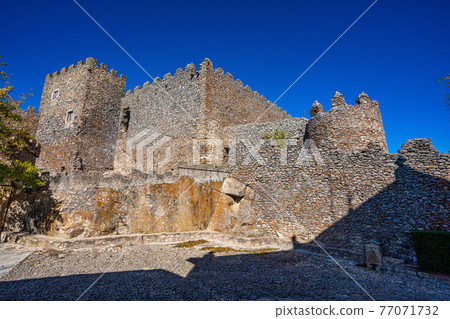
432 249
277 134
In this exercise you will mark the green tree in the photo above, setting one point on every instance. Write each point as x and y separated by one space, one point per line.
15 139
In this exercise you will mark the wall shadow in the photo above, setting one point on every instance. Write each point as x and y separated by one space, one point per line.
32 211
414 200
281 275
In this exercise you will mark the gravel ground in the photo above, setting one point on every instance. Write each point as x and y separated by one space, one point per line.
165 272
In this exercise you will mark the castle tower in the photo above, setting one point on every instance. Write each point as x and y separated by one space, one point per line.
349 128
78 118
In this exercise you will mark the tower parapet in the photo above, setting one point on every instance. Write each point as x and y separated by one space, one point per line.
89 64
349 128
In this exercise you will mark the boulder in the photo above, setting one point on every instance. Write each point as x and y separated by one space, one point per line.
233 187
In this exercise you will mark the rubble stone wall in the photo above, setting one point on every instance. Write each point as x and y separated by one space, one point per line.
228 102
293 128
169 107
345 199
347 127
188 105
78 118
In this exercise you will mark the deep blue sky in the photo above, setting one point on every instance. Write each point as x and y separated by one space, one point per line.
396 53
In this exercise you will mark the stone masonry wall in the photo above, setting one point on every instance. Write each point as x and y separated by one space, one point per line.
188 105
347 127
170 107
228 102
345 199
86 138
293 128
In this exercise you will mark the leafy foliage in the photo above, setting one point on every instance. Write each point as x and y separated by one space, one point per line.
20 174
432 249
14 140
277 134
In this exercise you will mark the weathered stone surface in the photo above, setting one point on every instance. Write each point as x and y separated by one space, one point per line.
183 205
233 187
293 128
338 100
373 255
333 179
345 199
78 118
225 217
348 128
316 109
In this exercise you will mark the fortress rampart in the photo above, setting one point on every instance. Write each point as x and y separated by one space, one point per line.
124 163
170 107
188 105
345 199
229 102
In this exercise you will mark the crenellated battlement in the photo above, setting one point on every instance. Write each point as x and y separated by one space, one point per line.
78 117
347 127
219 72
158 83
190 72
338 104
88 64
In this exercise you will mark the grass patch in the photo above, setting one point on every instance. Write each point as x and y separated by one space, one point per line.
261 251
220 249
191 243
228 250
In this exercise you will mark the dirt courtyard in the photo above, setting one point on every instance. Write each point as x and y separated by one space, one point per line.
201 271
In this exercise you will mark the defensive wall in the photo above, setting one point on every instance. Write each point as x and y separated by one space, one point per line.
346 199
189 105
332 179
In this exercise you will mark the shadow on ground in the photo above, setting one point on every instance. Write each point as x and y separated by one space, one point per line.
281 275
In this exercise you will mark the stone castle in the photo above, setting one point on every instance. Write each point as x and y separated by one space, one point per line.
193 152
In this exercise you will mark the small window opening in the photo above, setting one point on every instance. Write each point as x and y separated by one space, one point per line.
69 116
55 94
125 121
226 154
